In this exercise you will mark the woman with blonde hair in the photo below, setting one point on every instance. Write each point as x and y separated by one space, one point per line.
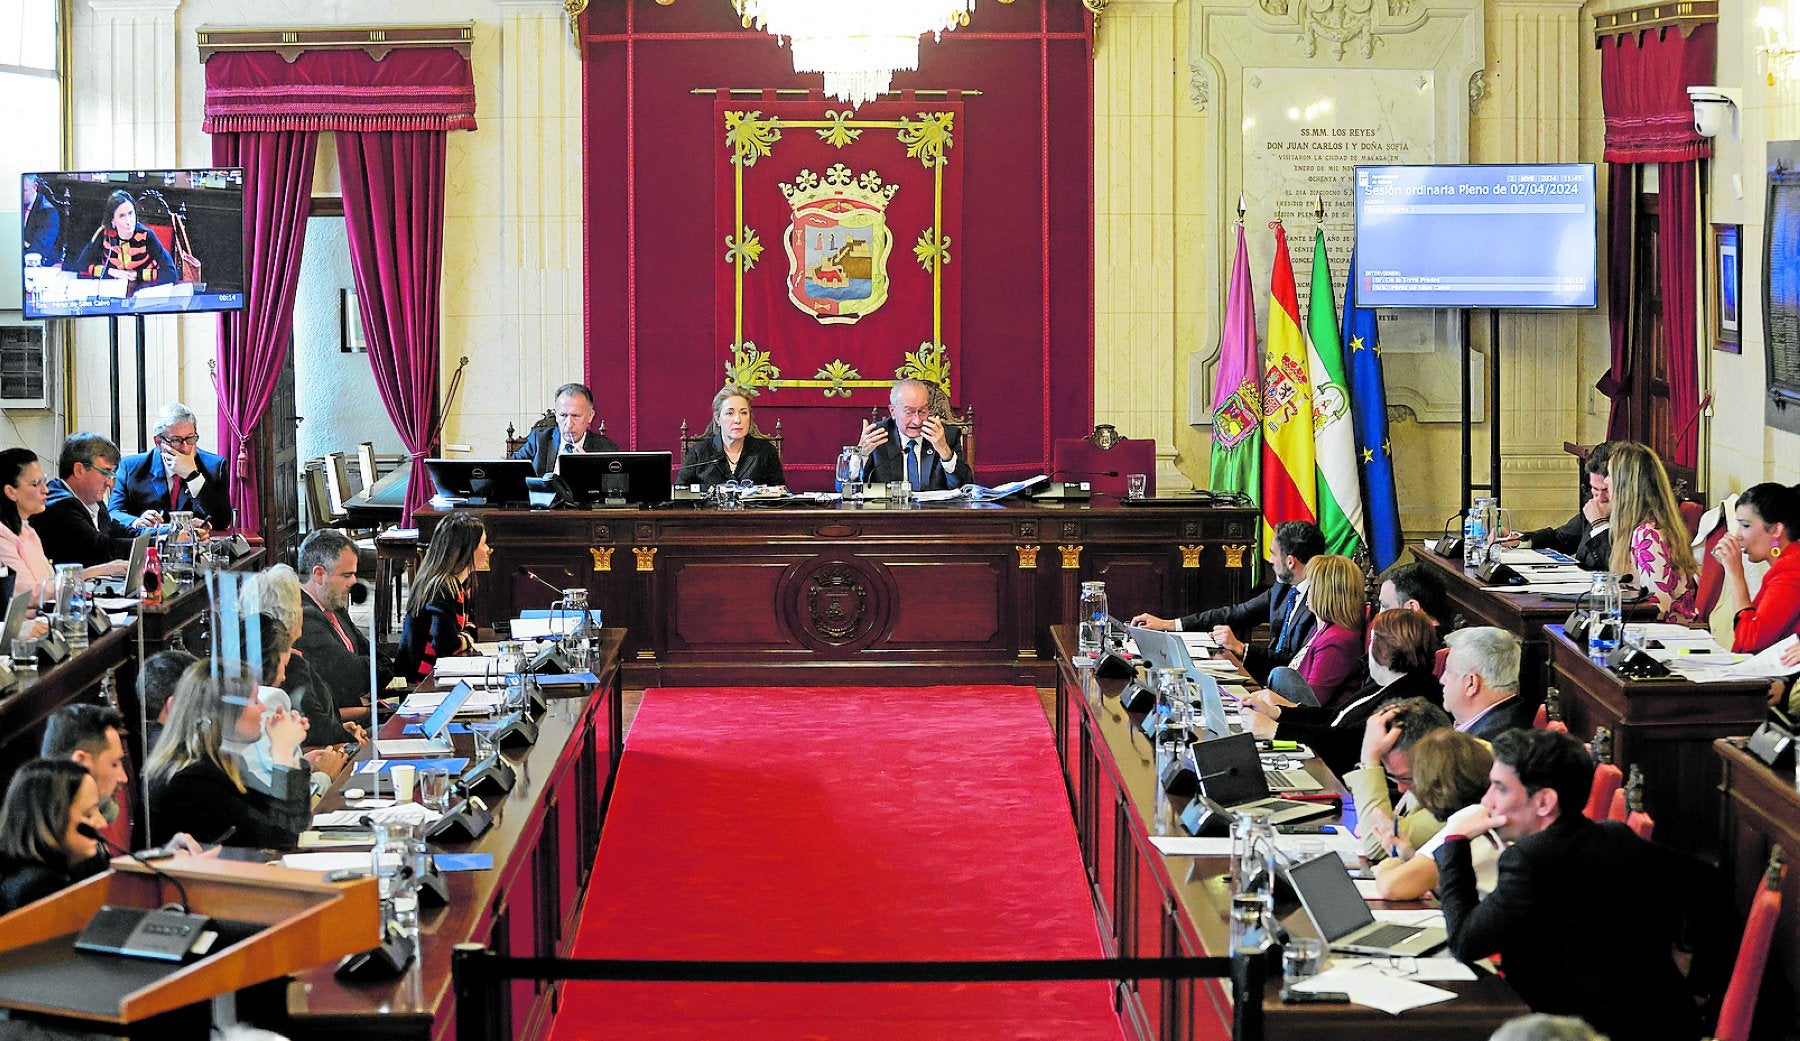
198 786
732 449
1650 541
1449 777
437 613
1330 660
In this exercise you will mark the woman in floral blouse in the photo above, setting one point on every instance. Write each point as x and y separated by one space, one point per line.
1650 541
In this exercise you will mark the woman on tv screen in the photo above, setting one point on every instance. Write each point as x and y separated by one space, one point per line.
126 250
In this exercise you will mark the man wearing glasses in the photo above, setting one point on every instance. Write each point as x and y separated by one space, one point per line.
177 476
912 445
73 527
570 435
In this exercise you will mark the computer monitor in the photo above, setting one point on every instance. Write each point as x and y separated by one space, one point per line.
617 478
481 482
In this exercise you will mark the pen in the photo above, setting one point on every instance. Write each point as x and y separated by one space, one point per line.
1279 746
1690 650
1312 797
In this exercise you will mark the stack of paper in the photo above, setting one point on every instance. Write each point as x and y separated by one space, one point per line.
1376 990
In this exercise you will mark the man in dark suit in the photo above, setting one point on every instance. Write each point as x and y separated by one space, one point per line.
1418 587
1586 536
912 445
1583 914
1481 682
176 476
74 527
333 646
1282 605
570 434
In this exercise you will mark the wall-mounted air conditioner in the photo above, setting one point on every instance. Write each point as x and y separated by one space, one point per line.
25 363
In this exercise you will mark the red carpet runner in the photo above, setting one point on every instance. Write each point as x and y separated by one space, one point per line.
839 824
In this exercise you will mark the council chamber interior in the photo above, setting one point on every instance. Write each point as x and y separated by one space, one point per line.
687 518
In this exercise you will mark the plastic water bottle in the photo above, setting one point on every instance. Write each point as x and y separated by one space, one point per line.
1475 535
1608 618
1092 619
1168 749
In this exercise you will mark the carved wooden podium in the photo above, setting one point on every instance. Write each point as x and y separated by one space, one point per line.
271 921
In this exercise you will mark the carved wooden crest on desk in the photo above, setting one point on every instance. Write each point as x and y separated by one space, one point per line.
839 605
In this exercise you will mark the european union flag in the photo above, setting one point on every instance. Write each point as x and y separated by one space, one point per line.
1368 404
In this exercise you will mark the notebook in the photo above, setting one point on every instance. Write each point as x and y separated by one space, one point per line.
1344 919
1231 775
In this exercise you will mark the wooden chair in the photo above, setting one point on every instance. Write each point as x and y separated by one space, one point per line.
1739 1006
1628 806
315 498
1607 776
516 441
690 440
337 482
365 465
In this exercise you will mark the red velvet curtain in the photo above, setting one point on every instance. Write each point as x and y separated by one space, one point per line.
253 343
390 115
1643 88
394 205
1621 216
1677 240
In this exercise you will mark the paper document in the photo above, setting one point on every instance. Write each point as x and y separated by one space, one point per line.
1422 970
1376 990
470 665
1541 588
480 703
537 628
1343 842
405 813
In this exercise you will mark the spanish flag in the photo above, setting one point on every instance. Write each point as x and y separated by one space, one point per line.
1288 466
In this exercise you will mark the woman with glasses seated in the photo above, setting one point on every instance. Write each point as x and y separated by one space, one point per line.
731 449
23 491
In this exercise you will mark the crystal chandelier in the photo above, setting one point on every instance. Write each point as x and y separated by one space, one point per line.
857 44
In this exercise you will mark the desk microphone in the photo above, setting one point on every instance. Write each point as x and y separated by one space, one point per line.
1055 474
167 933
89 831
558 590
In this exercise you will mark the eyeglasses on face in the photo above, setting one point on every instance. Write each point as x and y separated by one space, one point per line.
108 472
179 442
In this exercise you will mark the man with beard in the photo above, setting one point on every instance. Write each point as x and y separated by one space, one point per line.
334 646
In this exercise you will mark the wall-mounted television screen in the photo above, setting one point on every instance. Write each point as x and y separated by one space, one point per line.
1476 236
133 242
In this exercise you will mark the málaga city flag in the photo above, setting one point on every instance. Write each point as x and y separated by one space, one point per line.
1340 506
1288 469
1237 399
1368 400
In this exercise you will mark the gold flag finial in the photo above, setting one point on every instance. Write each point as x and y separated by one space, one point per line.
1319 208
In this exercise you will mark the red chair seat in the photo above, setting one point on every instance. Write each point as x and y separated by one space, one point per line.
1739 1006
1607 779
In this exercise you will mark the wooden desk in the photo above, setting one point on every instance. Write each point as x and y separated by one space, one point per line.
545 834
859 594
1523 615
383 503
1667 728
1151 906
1762 809
104 670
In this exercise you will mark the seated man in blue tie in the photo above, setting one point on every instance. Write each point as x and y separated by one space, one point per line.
178 476
574 411
912 445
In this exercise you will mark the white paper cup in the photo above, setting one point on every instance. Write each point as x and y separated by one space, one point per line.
403 781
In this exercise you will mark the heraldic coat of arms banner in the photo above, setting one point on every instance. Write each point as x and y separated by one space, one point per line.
843 307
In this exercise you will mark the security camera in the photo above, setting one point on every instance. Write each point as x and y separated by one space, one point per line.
1715 108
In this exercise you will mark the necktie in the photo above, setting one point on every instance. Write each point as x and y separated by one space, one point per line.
1287 621
569 448
175 487
342 635
913 476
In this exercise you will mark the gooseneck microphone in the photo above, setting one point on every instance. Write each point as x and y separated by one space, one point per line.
540 580
89 831
1059 474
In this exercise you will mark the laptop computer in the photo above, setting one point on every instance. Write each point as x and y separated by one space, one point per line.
133 582
1164 650
1231 775
18 609
436 728
1344 919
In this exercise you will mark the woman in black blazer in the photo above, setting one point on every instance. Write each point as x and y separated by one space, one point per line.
40 850
437 623
1402 654
731 451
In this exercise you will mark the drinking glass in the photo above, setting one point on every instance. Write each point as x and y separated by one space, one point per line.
434 788
899 493
483 731
1135 485
1304 956
24 652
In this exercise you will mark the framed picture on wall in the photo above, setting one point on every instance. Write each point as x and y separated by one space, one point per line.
1728 285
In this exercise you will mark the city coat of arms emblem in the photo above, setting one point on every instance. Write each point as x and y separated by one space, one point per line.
838 243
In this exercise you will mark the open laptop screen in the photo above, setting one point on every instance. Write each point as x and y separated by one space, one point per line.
1230 770
1330 896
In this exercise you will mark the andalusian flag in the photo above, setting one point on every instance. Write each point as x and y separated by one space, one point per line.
1334 439
1237 399
1368 399
1288 470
